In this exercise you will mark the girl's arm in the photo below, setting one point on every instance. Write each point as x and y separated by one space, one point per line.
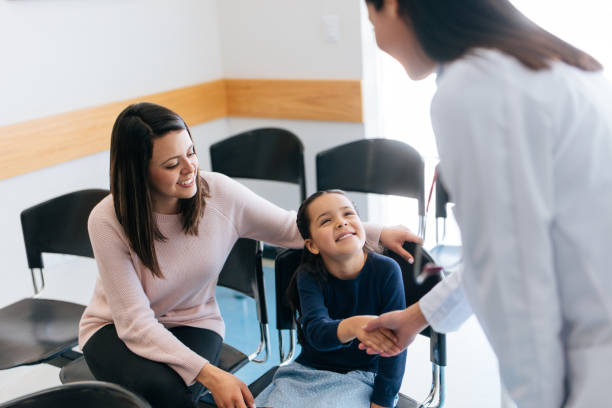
390 369
320 330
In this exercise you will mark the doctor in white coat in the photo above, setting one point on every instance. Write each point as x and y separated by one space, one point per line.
523 123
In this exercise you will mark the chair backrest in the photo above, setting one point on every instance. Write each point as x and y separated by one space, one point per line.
380 166
288 261
267 154
90 394
243 272
413 290
442 197
59 225
285 264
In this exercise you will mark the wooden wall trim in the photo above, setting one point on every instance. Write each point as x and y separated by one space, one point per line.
325 100
43 142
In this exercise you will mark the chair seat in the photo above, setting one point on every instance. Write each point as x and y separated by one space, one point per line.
85 394
35 330
263 381
447 256
230 360
76 370
406 402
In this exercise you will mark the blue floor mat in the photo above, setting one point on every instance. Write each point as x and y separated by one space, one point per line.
242 331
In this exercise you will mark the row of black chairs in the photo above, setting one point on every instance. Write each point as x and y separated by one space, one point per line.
356 166
36 330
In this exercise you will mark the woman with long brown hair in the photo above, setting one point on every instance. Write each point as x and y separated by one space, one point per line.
523 123
160 240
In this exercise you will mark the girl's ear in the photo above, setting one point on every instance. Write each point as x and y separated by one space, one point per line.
311 246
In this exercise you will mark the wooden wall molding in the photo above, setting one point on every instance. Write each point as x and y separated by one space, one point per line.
43 142
295 99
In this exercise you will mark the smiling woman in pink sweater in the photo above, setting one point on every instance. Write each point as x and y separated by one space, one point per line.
160 240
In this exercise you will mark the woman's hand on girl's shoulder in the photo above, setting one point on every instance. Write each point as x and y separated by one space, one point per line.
393 238
227 390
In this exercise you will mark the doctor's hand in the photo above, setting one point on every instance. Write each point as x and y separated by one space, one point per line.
227 390
394 237
404 324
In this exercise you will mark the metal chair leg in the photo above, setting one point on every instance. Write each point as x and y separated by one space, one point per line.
286 359
436 394
264 344
37 289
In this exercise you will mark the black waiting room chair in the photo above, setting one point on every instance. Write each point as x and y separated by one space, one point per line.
90 394
285 265
243 273
35 330
264 154
270 154
442 201
379 166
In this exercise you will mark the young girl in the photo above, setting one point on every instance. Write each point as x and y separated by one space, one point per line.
338 288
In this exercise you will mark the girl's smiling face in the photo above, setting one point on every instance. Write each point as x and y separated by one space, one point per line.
335 228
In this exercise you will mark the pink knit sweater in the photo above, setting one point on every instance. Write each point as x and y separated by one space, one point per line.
143 307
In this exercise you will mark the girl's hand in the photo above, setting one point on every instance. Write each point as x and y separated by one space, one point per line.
375 405
227 390
394 237
405 324
380 339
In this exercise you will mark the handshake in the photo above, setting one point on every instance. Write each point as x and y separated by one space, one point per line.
386 335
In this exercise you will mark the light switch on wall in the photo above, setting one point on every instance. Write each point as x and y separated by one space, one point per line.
331 29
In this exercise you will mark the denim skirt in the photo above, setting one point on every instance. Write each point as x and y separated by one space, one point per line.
298 386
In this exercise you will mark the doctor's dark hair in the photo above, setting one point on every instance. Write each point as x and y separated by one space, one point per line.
310 263
131 150
449 29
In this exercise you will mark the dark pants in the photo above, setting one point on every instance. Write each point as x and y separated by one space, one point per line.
110 360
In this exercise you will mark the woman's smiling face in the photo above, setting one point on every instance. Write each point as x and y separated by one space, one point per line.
173 171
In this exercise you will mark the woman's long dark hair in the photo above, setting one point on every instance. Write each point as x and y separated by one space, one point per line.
448 29
310 263
130 154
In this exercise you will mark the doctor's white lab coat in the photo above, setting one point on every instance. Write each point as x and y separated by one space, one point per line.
527 158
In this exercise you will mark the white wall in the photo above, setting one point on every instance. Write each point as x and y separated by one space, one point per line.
287 39
290 39
63 55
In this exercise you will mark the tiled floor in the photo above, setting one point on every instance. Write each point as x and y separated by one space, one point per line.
472 378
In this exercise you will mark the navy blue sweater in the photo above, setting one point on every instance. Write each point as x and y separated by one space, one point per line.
377 289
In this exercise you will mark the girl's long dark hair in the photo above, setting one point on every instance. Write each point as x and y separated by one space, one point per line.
130 154
449 29
310 263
